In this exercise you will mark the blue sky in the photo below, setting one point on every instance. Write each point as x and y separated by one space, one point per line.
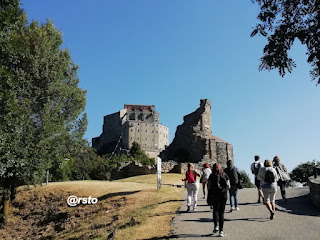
171 54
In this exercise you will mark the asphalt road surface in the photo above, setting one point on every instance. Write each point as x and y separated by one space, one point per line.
297 219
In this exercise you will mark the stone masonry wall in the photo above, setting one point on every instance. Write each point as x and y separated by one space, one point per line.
194 142
314 185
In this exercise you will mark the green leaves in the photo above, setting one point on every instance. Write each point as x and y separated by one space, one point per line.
40 100
303 171
283 21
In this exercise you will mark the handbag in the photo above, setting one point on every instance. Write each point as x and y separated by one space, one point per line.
283 175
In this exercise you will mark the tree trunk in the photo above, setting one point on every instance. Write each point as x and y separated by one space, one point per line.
6 204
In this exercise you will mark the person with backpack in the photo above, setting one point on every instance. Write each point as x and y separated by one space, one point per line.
218 186
192 186
269 177
233 174
205 173
283 176
255 167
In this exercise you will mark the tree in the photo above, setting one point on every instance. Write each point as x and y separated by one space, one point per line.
40 100
303 171
138 154
284 21
245 180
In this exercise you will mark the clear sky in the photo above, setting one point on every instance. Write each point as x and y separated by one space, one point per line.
171 54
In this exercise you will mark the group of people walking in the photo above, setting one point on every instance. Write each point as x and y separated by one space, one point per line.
267 179
220 181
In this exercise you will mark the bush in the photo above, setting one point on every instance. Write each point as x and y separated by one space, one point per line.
136 153
246 183
303 171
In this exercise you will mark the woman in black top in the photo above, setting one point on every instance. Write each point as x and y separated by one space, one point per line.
218 185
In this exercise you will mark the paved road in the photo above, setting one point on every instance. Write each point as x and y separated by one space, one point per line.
296 219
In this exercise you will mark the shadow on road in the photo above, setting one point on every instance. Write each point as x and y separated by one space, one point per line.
194 236
250 203
300 205
248 219
199 220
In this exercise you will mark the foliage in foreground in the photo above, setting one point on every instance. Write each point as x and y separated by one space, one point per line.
40 100
282 22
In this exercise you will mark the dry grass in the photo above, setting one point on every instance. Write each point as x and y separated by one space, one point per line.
43 213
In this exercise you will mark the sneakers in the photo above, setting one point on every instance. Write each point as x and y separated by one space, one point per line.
222 234
234 209
271 215
215 230
188 209
195 209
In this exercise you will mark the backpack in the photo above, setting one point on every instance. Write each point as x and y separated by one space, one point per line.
190 175
256 169
205 175
269 177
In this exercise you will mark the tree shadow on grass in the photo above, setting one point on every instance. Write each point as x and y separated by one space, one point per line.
115 194
300 205
168 201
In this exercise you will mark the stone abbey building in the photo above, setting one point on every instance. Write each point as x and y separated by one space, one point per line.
134 123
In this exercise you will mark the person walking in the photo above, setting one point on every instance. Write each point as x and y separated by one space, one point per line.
269 177
218 185
192 186
283 176
255 167
206 171
233 174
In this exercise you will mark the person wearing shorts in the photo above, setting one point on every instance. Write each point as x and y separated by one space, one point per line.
269 189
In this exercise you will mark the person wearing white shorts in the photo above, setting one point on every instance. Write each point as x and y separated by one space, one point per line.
268 180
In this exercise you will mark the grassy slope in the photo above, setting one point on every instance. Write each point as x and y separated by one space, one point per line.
42 212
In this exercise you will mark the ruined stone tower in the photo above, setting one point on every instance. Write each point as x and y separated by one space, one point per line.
194 142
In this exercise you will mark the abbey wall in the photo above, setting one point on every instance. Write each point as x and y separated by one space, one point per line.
139 123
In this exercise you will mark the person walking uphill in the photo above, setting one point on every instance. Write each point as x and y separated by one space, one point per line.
206 171
233 174
192 186
255 167
218 185
283 176
269 177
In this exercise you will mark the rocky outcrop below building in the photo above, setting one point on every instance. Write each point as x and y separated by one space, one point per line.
194 142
